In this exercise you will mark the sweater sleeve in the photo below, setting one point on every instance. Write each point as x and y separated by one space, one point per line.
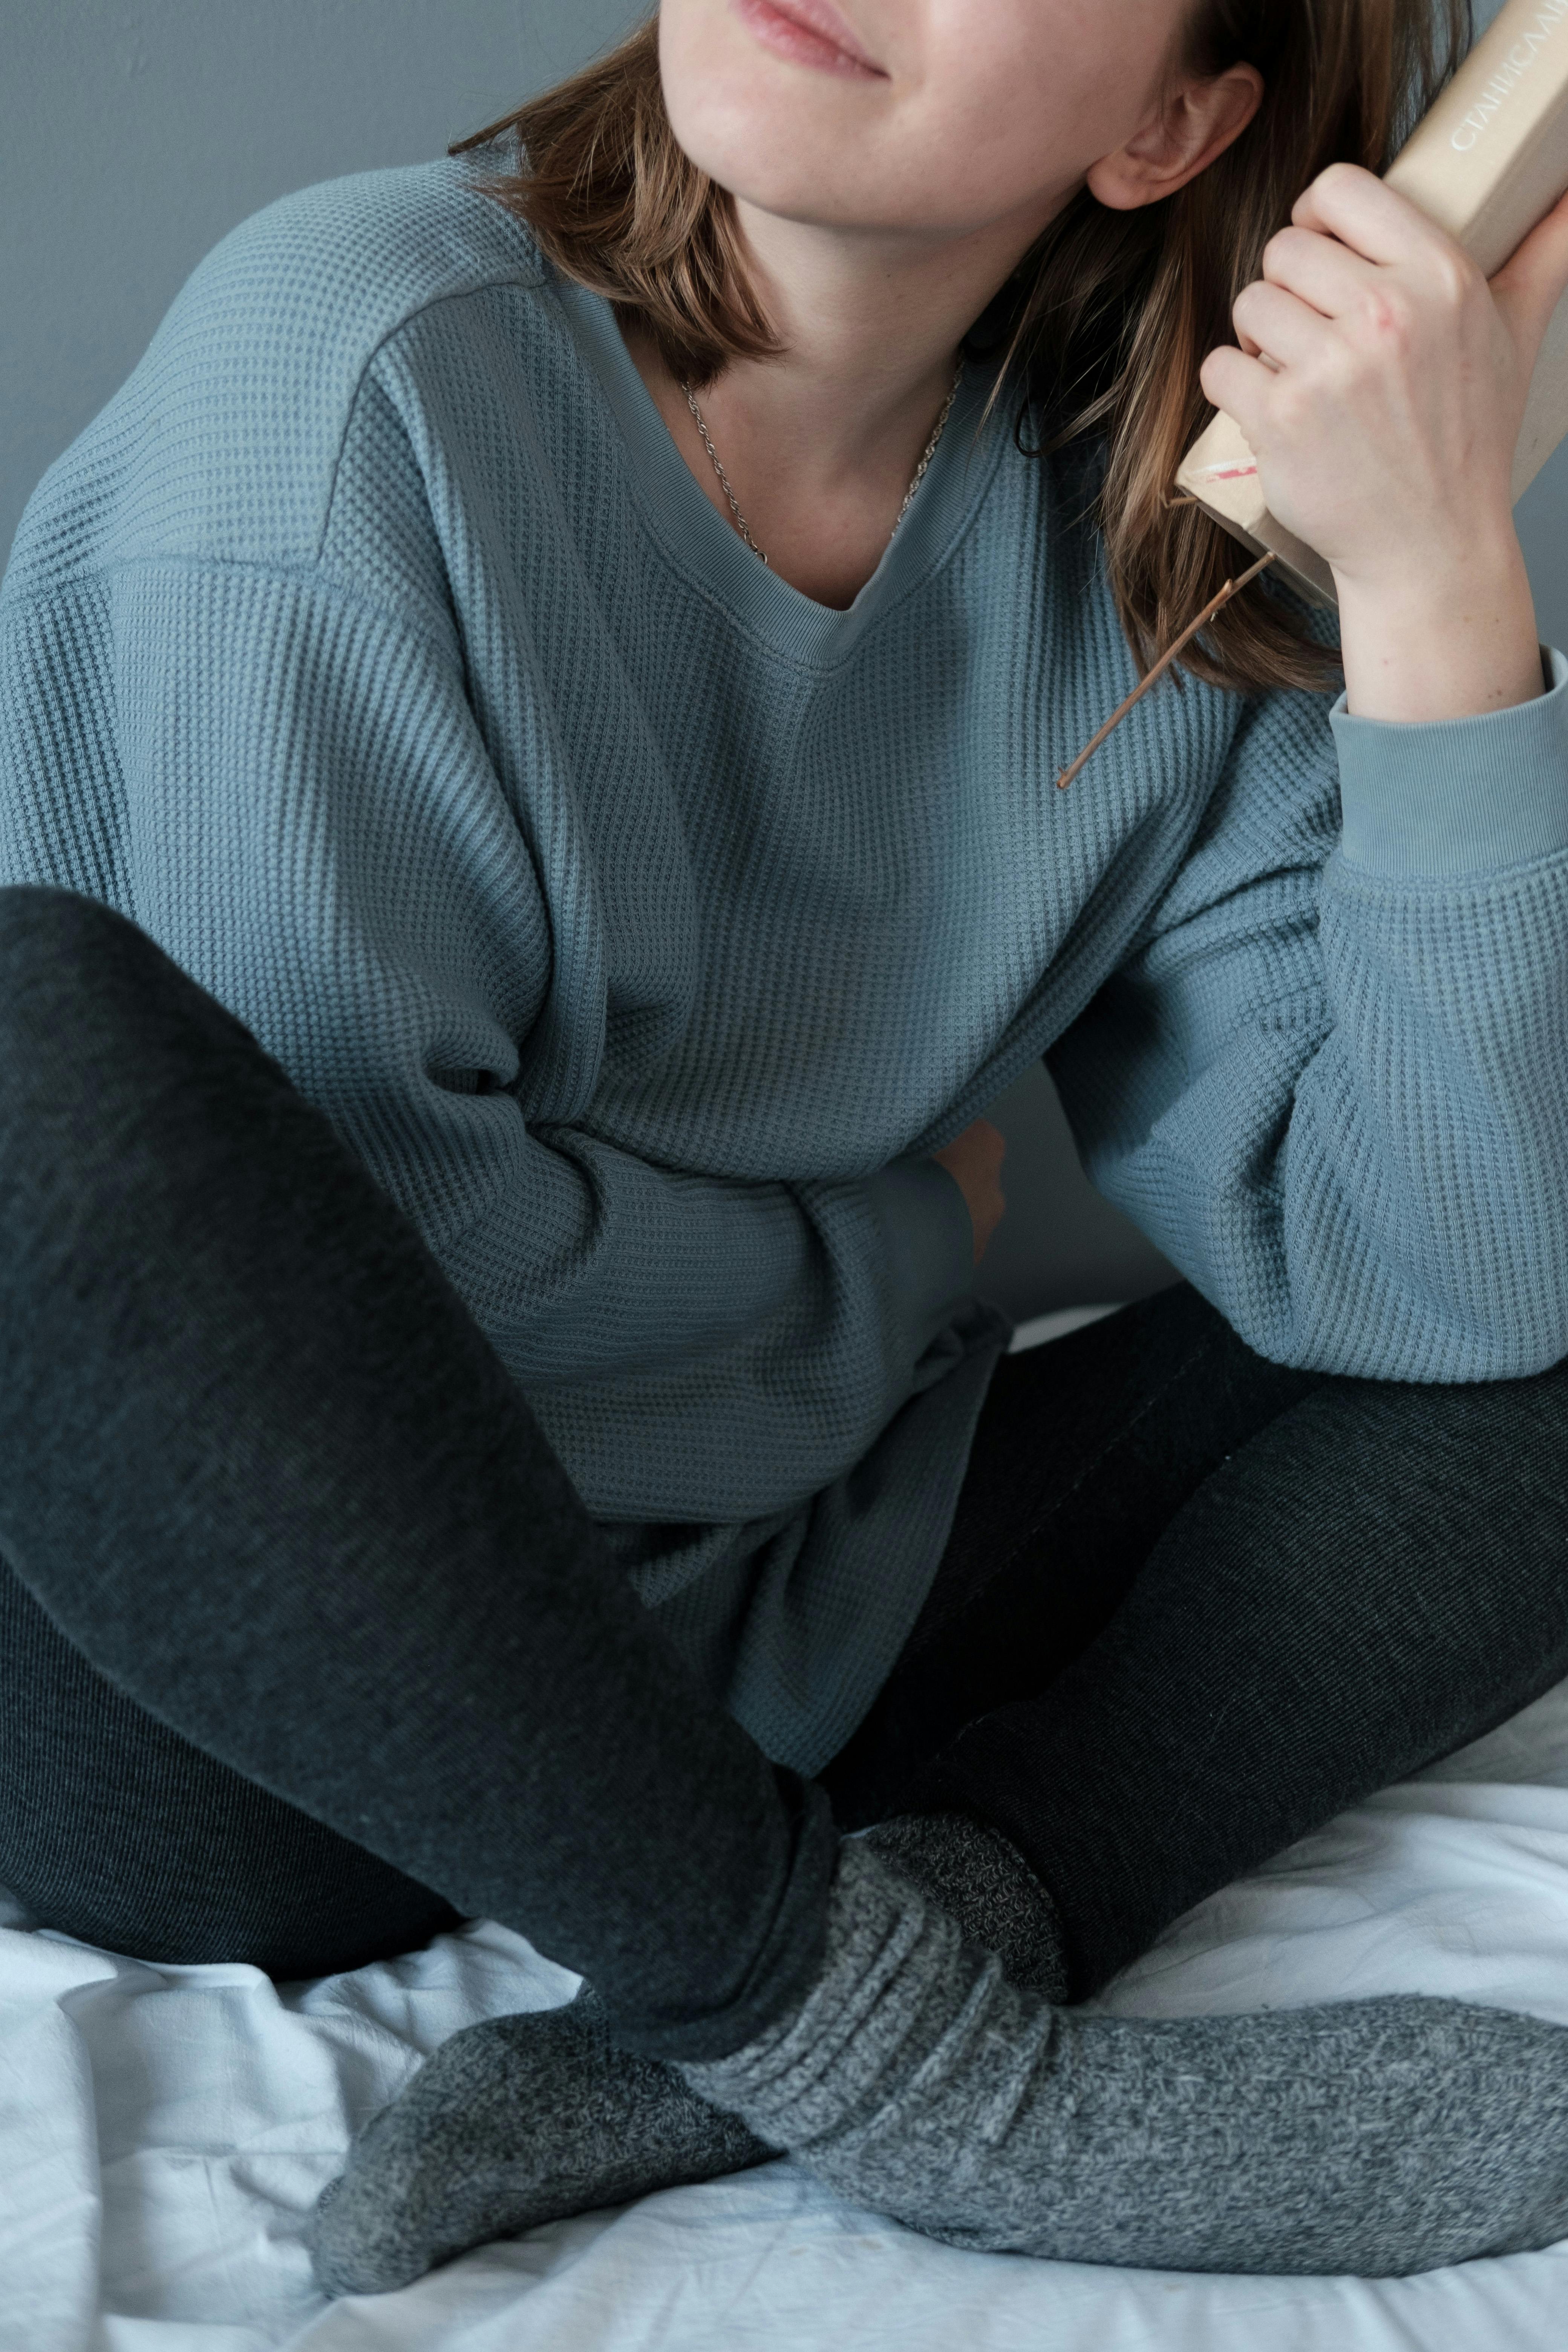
1332 1080
313 828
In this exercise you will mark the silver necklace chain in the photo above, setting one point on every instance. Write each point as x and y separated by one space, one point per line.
743 526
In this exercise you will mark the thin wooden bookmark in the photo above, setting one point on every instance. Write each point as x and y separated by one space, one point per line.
1231 588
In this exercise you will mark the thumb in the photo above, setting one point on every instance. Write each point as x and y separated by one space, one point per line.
1531 282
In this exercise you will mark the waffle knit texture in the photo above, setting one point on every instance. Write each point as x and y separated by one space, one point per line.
645 926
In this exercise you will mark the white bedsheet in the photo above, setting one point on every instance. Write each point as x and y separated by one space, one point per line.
163 2131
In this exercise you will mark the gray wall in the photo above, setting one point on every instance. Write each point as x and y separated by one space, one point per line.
134 132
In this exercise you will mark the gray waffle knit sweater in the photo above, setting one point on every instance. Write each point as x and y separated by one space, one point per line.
645 925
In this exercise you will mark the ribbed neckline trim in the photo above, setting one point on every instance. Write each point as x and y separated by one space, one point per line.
708 550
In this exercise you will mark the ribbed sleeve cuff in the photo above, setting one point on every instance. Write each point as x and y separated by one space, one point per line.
930 1240
1459 796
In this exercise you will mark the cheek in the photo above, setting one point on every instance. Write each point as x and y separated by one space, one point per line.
1018 97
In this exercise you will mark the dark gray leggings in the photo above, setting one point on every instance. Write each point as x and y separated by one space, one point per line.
308 1648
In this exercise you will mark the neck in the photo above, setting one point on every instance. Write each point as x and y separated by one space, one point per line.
870 327
820 442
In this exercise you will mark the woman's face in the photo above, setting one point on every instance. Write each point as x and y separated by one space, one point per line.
933 118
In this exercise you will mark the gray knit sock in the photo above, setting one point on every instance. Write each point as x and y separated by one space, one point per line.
520 2120
979 1878
524 2120
1379 2138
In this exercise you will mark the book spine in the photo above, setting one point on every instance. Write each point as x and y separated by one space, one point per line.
1492 155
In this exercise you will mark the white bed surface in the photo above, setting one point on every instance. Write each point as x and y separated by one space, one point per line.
163 2132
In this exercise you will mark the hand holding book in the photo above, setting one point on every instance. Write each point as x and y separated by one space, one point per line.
1435 622
1381 386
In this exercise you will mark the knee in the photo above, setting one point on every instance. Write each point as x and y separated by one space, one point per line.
43 926
89 1004
1478 1438
1505 1444
1448 1473
63 960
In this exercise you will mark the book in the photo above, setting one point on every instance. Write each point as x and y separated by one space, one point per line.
1486 163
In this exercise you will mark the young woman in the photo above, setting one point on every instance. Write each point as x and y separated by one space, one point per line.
573 648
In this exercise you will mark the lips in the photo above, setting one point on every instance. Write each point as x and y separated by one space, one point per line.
808 33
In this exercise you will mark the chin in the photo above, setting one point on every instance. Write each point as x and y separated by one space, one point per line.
805 146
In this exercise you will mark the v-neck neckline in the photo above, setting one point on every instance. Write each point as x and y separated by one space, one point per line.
705 545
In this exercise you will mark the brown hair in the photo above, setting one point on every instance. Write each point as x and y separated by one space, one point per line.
1107 318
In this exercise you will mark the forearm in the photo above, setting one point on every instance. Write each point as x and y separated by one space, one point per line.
1337 1096
707 1351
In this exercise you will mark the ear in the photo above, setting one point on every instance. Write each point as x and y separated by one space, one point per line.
1193 123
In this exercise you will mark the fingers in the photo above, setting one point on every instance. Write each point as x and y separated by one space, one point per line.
1239 384
1318 269
1367 216
1531 284
1270 321
1349 227
973 1159
1359 221
1380 386
1359 267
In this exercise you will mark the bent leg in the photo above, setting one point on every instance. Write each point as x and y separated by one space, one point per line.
263 1473
1376 1578
1379 2135
262 1470
1084 1452
116 1829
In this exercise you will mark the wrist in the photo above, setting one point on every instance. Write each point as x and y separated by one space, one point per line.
928 1238
1437 639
